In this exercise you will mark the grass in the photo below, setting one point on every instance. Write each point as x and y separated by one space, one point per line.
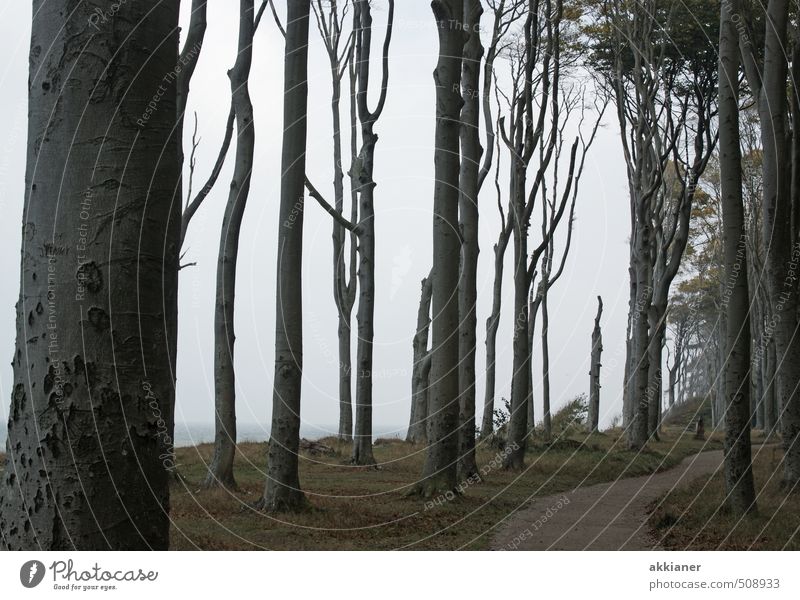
688 519
355 508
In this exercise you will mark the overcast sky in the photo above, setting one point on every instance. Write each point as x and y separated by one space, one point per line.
403 204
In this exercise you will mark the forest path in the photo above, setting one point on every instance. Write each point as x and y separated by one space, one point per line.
606 516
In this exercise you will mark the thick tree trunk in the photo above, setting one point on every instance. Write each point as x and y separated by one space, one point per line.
362 440
468 221
282 492
640 367
594 370
778 236
738 468
439 474
417 427
90 425
520 392
221 467
658 330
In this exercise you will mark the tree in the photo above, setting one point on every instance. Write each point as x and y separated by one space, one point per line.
221 467
330 22
505 14
421 368
361 173
439 473
768 79
738 467
665 104
282 492
90 427
593 417
469 186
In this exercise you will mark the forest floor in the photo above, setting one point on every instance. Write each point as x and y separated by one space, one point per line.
357 508
689 517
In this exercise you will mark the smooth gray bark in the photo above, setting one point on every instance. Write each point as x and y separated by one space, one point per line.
89 448
594 370
417 426
439 473
220 472
471 152
364 183
282 491
738 467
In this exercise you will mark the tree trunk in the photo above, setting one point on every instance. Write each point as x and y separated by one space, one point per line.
770 412
417 427
738 468
439 474
221 467
362 174
520 392
468 223
492 325
547 420
282 491
658 330
778 236
638 377
90 427
594 371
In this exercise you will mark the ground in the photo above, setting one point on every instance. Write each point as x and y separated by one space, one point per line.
358 508
688 518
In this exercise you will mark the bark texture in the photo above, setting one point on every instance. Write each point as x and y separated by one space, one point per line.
594 371
90 426
282 492
471 152
738 467
220 470
439 473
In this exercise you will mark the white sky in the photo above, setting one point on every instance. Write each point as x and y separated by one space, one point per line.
404 174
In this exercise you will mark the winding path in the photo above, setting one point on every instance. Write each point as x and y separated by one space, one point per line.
606 516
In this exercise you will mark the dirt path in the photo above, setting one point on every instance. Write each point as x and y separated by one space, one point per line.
606 516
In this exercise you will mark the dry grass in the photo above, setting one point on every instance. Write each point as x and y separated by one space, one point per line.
688 518
357 509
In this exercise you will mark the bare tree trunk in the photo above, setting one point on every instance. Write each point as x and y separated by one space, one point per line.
492 325
98 285
417 427
547 420
221 467
638 378
468 222
658 330
594 371
362 174
520 391
770 412
282 491
738 468
439 474
330 24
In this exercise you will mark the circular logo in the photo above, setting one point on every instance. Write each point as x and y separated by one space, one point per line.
31 573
